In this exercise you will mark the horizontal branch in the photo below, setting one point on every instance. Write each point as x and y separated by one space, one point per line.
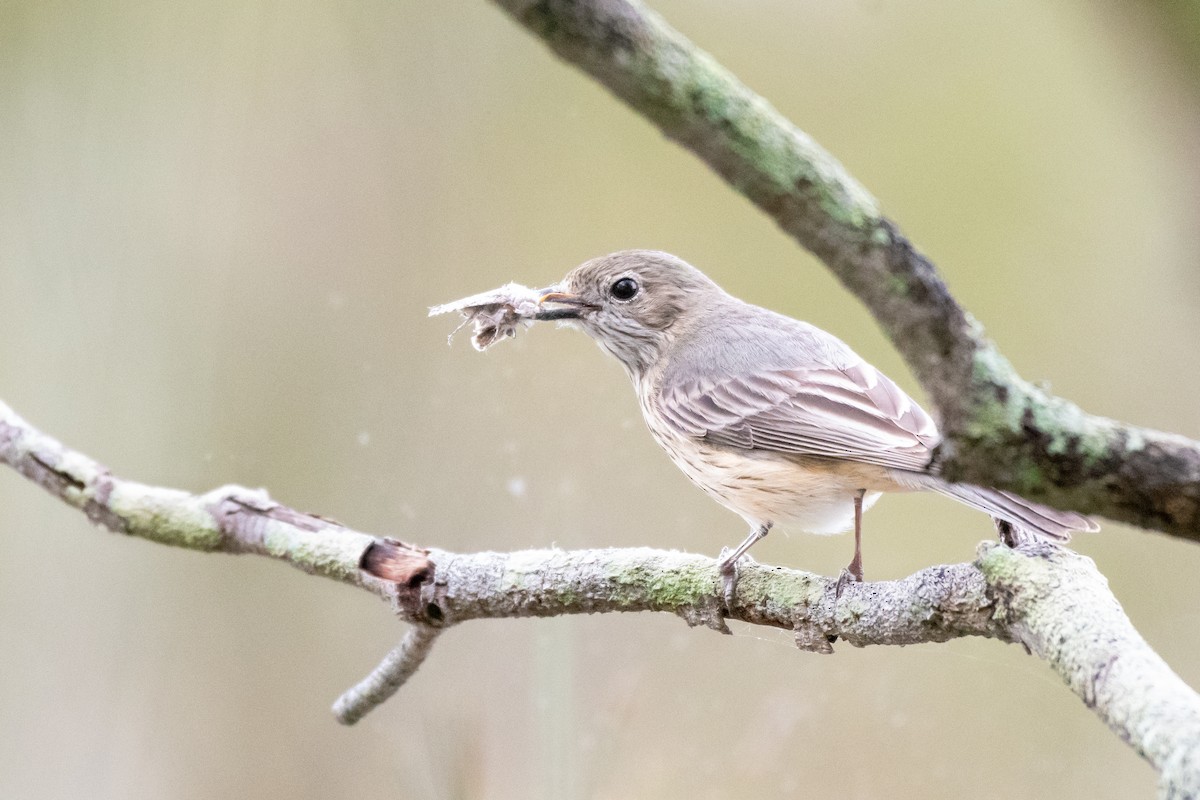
1049 599
999 429
934 605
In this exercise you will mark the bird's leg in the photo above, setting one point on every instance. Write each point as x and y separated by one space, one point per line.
855 567
853 573
727 566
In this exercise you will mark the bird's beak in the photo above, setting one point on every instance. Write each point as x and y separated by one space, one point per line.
555 304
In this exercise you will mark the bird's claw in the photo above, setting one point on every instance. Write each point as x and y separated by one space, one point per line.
847 577
727 567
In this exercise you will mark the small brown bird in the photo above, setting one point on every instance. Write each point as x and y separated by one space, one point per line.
776 419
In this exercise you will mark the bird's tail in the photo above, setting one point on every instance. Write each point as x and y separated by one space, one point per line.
1029 517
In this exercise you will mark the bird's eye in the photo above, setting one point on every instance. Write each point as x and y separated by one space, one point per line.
624 289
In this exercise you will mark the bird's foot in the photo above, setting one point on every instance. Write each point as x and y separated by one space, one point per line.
727 567
1007 532
845 579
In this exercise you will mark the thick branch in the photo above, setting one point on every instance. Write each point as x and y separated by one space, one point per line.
1000 430
1050 599
1059 606
934 605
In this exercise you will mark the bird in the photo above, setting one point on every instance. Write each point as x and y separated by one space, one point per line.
774 418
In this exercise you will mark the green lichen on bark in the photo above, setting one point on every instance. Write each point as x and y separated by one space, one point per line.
693 99
1060 607
637 582
680 588
165 516
1007 570
190 530
1030 441
331 552
779 590
1001 431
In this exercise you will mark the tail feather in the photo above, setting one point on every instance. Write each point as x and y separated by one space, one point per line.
1030 517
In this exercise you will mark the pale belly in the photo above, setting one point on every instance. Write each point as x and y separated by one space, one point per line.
769 489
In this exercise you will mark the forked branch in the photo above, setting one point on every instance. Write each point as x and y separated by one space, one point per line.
1049 599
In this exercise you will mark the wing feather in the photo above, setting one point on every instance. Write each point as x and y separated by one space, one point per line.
852 412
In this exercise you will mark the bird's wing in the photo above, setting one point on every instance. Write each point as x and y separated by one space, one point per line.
853 412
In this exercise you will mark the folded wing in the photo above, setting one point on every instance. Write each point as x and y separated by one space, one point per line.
854 413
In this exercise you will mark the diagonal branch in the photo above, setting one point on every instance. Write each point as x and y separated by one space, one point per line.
230 519
386 679
1000 430
1049 599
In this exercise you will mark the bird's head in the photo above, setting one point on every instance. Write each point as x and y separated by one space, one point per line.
633 303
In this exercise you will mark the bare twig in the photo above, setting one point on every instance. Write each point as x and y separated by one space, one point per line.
385 680
1000 430
230 519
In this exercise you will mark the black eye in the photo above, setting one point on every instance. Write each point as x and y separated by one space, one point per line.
624 289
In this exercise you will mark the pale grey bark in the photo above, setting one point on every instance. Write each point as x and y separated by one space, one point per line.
386 679
1047 598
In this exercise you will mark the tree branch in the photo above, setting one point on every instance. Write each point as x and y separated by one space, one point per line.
386 679
1049 599
229 519
999 429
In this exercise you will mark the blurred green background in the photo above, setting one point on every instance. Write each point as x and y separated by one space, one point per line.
221 225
